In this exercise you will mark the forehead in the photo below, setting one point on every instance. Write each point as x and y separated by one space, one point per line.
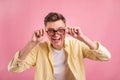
56 24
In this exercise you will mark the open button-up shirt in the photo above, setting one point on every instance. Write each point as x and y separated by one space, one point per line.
41 57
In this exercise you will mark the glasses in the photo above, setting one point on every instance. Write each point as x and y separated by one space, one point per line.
52 32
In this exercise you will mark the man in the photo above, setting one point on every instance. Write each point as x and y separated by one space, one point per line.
60 58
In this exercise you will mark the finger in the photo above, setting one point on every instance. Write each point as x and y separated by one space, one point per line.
69 31
40 32
37 34
73 31
79 31
66 29
43 32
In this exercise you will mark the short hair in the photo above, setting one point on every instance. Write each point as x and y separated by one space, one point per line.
53 16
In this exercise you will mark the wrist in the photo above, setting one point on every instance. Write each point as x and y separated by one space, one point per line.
81 38
33 42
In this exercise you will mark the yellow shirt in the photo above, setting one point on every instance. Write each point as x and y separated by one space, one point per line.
41 58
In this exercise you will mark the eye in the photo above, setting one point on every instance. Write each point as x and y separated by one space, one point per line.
51 30
61 30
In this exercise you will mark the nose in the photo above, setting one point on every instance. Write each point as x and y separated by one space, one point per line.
55 32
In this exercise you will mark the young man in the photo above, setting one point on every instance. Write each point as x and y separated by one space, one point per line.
60 58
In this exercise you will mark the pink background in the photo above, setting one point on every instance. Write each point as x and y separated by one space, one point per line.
98 19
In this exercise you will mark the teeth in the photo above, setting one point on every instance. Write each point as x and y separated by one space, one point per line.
56 38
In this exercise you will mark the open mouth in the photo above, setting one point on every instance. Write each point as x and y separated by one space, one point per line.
56 40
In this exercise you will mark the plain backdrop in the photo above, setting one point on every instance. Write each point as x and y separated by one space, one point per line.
98 19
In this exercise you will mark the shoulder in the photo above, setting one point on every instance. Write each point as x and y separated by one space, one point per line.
44 44
74 42
41 45
71 40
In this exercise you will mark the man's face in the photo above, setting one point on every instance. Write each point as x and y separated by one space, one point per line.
56 33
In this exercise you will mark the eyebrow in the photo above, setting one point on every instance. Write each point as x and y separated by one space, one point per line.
57 28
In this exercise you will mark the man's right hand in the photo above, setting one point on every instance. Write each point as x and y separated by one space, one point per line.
36 37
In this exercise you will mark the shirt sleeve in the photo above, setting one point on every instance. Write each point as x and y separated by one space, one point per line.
17 65
101 53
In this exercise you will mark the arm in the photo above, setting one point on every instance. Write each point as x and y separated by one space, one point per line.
26 57
35 39
92 50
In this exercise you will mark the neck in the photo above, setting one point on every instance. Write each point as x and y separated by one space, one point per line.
57 47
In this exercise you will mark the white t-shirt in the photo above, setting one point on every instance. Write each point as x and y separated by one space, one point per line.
61 70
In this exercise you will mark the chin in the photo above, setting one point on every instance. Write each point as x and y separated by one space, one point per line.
57 42
57 46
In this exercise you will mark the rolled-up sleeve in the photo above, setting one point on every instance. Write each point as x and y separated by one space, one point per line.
101 53
17 65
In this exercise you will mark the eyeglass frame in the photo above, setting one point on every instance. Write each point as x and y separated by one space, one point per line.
55 31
